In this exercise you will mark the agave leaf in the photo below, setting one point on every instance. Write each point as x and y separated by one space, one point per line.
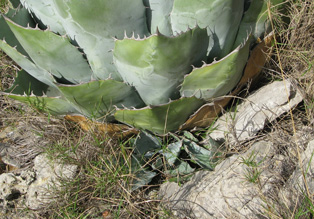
98 99
255 20
37 72
209 112
145 142
27 84
54 53
46 12
190 136
220 17
155 66
218 78
93 26
182 169
171 153
142 176
15 3
20 16
160 119
200 155
159 16
54 105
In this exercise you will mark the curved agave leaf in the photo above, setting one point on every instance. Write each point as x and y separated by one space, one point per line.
20 16
142 176
144 143
98 99
57 56
218 78
255 20
15 3
204 116
54 105
159 16
93 26
200 155
27 84
37 72
160 119
155 66
46 12
220 17
182 169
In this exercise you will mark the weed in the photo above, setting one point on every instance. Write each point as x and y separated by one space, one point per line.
253 171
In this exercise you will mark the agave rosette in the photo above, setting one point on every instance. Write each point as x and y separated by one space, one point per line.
149 64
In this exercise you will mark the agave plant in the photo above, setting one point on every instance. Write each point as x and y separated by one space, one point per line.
150 64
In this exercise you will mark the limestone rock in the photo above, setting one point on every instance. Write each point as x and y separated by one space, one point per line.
48 175
31 187
13 187
230 191
263 106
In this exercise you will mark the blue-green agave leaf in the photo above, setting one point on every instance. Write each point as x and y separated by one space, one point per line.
20 16
171 153
160 16
218 78
190 136
160 119
98 99
93 26
53 53
182 169
220 17
15 3
37 72
45 11
27 84
200 155
155 66
146 142
255 20
142 176
53 105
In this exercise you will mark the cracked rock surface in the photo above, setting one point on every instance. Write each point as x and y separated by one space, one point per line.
225 192
249 117
29 188
253 184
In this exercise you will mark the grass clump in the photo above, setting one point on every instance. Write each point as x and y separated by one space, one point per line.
102 184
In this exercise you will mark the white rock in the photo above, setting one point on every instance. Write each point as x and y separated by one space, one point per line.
48 175
224 193
265 105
